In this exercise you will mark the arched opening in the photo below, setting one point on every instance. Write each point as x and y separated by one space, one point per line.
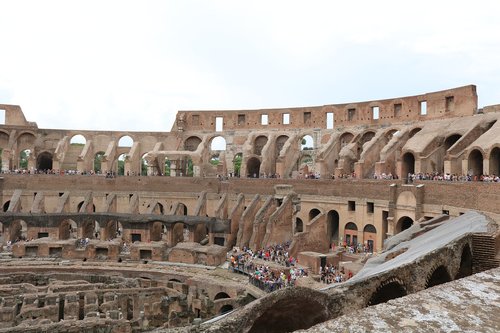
465 263
78 140
158 209
439 276
91 230
369 237
98 157
280 142
404 223
68 230
306 143
218 144
221 295
495 161
451 140
44 161
156 232
237 164
333 222
125 141
121 164
351 234
387 292
113 230
226 308
366 137
253 167
390 134
290 314
18 231
299 225
200 233
259 144
313 213
345 139
177 233
408 164
414 131
145 167
192 143
24 156
6 206
475 163
182 209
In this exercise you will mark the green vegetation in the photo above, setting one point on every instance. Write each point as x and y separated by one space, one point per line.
23 159
98 161
237 164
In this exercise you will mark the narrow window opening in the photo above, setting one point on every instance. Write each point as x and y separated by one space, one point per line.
351 206
350 114
375 112
329 120
450 101
370 207
196 119
264 119
423 108
241 119
2 116
219 124
286 119
307 117
397 109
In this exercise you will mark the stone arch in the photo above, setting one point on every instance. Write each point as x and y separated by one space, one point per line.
125 141
313 213
177 233
388 290
44 161
226 308
495 161
182 209
145 167
221 295
476 162
333 223
370 236
238 158
90 229
24 156
299 225
451 140
297 308
408 164
367 136
259 144
403 223
113 229
253 167
465 263
280 142
121 164
158 209
307 142
390 133
192 143
156 232
346 138
200 233
26 140
218 143
68 229
18 230
98 157
351 234
6 205
78 139
414 131
438 276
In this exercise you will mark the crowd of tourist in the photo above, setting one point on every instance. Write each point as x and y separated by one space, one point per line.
332 274
452 177
256 264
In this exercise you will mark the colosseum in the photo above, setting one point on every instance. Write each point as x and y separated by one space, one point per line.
377 216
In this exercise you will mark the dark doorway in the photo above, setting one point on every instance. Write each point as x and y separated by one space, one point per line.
253 167
44 161
439 276
389 291
333 221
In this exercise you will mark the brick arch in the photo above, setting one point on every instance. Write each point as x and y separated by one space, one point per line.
389 289
439 274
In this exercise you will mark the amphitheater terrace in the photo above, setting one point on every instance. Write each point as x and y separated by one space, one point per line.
123 231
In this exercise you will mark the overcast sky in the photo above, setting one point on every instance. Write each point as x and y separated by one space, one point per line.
130 65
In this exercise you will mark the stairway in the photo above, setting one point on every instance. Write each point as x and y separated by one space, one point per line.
484 252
